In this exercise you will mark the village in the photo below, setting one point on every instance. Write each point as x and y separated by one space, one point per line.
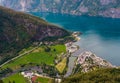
79 61
89 61
36 72
33 76
83 60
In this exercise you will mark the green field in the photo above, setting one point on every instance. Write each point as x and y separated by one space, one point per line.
43 80
61 66
38 56
16 78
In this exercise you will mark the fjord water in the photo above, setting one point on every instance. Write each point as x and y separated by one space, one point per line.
100 35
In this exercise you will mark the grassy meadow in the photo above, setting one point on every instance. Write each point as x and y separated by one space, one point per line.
61 66
43 80
15 78
38 56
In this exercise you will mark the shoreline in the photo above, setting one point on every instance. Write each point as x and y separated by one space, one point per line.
77 37
76 55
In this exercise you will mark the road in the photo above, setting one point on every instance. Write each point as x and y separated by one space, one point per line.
72 59
70 66
20 55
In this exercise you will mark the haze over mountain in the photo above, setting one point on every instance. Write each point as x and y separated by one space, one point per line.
105 8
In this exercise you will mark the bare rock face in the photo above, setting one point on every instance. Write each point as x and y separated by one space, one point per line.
112 12
75 7
107 2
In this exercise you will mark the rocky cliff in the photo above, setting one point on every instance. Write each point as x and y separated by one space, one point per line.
105 8
19 30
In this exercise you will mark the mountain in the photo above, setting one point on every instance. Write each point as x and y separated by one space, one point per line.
19 30
98 76
105 8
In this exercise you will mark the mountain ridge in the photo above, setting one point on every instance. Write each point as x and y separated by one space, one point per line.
105 8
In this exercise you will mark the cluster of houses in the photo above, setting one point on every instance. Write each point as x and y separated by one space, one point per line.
76 35
88 61
30 75
70 47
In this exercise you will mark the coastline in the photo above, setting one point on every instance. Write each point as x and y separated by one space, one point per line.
76 55
100 42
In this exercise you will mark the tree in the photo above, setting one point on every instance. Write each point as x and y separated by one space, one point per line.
47 49
1 81
9 81
54 50
13 81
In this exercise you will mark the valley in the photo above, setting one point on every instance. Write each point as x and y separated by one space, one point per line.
29 43
49 63
20 30
38 59
59 41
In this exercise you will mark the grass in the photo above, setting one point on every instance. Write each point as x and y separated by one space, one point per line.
16 78
38 56
61 66
43 80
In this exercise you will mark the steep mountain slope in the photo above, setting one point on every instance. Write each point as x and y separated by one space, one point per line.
98 76
19 30
106 8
